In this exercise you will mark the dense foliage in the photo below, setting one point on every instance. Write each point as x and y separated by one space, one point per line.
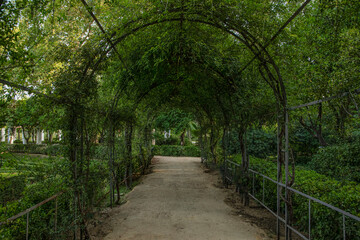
341 161
326 223
170 150
210 78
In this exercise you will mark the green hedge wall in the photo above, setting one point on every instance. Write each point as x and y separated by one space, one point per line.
53 150
326 223
174 150
341 161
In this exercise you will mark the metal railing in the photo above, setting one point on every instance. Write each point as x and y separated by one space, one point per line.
55 197
232 170
27 213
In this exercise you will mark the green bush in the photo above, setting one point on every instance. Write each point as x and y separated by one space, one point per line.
340 161
174 150
326 223
260 142
54 149
161 140
100 152
303 144
11 188
41 219
43 181
27 148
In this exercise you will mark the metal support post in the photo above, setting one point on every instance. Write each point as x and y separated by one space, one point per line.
56 213
225 171
309 229
27 226
278 179
253 184
344 228
263 193
286 174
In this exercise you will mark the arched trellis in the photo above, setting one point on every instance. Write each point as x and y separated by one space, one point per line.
268 69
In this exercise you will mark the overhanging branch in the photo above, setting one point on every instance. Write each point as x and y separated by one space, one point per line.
24 88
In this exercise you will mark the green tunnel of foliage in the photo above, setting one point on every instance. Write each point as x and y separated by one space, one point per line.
175 65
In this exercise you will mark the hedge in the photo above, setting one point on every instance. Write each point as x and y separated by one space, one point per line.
175 150
53 150
341 161
326 223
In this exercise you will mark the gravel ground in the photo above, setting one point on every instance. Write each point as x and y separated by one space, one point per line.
176 201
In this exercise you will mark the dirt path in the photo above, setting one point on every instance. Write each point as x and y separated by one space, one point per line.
178 201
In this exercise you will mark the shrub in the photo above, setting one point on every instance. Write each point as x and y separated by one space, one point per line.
41 219
54 149
326 223
161 140
11 188
100 152
303 144
260 142
340 161
174 150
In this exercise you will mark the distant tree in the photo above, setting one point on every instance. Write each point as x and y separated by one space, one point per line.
176 120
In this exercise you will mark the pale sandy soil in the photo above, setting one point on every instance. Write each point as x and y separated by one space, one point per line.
176 201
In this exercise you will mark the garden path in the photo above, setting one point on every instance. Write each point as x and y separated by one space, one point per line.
178 200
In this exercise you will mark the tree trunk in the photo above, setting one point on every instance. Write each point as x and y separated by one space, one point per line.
224 143
33 136
128 154
26 136
315 129
88 141
244 178
201 145
182 138
49 136
111 150
213 142
340 116
72 142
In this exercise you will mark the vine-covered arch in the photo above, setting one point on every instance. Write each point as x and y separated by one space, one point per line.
268 68
217 101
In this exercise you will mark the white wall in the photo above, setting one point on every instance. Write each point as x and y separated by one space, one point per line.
39 136
3 133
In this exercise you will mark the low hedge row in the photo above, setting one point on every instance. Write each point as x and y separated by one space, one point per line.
175 150
97 151
326 223
53 150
